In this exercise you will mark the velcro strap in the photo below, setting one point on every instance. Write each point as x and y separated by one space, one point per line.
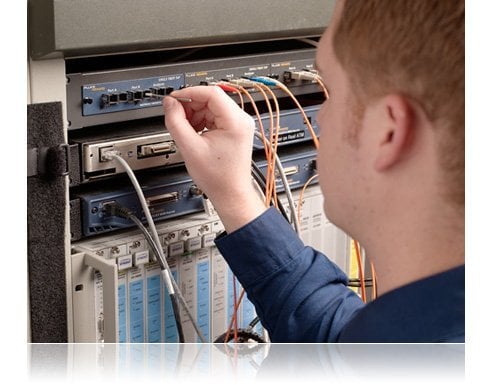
48 161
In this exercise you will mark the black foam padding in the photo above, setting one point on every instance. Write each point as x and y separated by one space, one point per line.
74 165
46 201
75 219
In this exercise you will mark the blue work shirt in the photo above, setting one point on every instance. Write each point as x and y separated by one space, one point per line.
302 296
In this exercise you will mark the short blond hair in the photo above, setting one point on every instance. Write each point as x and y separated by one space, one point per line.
416 48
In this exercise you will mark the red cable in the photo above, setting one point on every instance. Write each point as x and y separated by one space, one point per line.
227 88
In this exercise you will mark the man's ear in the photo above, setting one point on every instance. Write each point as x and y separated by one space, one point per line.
396 130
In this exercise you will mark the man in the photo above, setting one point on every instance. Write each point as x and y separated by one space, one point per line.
391 168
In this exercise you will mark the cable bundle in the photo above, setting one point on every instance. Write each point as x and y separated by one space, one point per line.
266 183
154 242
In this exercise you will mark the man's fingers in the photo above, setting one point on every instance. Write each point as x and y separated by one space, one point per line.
178 126
201 119
211 97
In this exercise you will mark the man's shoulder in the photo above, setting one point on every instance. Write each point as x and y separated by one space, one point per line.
429 310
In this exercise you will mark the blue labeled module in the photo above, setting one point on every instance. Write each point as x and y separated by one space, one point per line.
102 98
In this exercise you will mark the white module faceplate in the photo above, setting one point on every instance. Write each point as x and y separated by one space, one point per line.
144 310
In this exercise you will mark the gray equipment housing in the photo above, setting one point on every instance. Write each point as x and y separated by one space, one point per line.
74 28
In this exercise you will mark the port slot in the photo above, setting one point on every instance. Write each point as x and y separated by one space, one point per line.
138 95
292 170
104 100
313 164
113 99
107 208
99 173
102 153
287 77
123 97
156 149
162 199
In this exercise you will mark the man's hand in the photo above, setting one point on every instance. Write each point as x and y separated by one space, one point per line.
215 138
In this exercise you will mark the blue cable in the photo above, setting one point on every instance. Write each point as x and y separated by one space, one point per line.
265 81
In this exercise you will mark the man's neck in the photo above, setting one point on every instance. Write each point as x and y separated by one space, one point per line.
431 243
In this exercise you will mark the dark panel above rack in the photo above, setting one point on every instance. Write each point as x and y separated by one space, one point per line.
78 28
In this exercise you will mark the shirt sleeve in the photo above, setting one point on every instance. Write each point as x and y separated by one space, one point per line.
299 294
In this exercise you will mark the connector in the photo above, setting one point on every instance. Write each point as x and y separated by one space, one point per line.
156 149
163 199
292 170
226 88
299 75
266 81
107 154
311 70
246 83
114 209
195 190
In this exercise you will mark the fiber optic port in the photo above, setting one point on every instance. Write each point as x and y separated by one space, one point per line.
134 96
287 77
113 99
123 97
153 92
162 199
108 100
137 96
155 149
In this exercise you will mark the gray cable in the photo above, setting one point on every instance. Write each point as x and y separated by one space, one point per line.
167 277
160 258
309 41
